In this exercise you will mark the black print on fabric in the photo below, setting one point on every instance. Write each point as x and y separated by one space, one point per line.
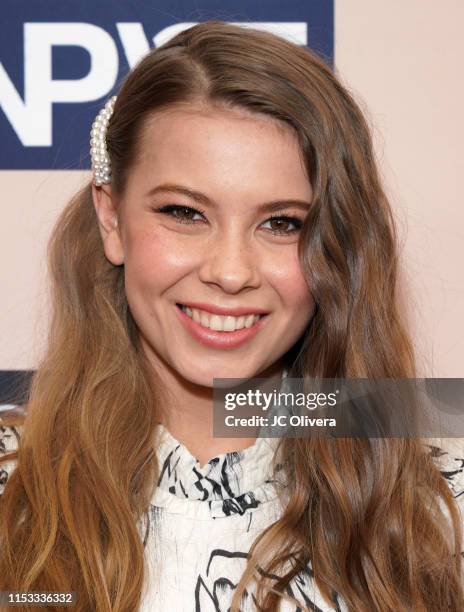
214 589
217 485
454 467
6 433
240 504
214 585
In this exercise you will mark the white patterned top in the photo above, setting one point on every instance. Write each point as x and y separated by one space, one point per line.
202 521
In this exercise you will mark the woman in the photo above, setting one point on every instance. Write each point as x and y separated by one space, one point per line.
234 189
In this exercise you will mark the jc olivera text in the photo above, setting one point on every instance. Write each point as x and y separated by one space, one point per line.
281 420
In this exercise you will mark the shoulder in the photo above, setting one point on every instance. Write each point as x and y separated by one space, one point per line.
448 455
9 441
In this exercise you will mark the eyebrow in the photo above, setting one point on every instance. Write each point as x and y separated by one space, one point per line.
201 198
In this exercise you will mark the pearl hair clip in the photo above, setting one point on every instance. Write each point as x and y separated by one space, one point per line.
101 165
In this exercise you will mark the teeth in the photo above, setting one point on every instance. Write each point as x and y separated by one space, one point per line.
204 318
226 323
214 322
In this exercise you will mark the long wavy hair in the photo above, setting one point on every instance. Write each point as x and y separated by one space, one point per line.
374 518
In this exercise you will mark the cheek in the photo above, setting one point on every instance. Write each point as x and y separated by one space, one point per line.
287 279
154 262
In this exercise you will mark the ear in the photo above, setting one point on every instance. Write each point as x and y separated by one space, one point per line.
107 215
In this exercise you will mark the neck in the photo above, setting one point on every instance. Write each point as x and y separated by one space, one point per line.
188 413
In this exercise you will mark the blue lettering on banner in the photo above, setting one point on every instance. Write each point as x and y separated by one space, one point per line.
59 61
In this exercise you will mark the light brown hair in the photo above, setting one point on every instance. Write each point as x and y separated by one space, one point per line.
366 514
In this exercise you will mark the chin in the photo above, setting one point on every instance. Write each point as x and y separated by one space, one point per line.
206 379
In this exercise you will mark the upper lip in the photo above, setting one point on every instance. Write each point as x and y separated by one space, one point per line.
237 311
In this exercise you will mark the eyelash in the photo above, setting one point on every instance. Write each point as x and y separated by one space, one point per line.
170 208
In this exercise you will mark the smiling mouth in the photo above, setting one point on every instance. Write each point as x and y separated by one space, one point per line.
221 323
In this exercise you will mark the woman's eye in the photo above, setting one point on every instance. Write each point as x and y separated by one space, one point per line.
282 224
182 214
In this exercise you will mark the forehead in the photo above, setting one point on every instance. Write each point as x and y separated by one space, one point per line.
220 149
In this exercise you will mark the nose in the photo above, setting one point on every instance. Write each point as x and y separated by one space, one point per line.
230 262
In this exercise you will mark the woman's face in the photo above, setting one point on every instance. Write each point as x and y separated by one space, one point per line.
195 229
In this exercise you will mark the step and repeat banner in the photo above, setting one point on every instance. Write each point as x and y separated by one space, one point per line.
60 60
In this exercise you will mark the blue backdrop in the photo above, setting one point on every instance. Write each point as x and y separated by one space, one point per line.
61 59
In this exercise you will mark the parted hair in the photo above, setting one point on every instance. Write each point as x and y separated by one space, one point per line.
374 518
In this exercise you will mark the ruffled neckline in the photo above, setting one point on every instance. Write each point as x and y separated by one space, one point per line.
230 483
234 482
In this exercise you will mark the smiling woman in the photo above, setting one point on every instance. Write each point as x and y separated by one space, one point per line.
239 167
235 227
